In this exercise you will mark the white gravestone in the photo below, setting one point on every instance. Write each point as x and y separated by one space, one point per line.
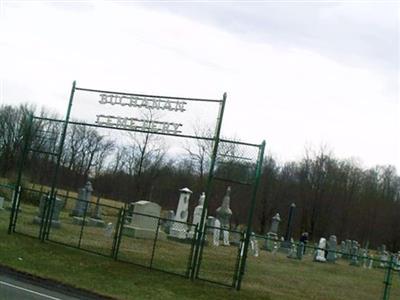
108 230
364 256
144 221
371 262
272 235
179 230
82 204
224 214
292 251
275 248
225 234
216 232
254 245
197 214
320 254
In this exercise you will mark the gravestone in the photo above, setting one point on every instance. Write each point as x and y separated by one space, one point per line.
224 214
55 218
1 203
179 230
210 223
254 245
354 253
216 232
82 204
275 247
383 257
300 251
371 261
347 249
396 261
320 253
332 243
108 230
197 215
364 257
169 216
236 236
145 220
292 251
96 218
342 249
272 235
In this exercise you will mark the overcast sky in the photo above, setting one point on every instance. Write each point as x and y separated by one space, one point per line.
297 73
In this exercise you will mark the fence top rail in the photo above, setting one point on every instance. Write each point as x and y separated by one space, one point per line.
240 143
150 96
48 119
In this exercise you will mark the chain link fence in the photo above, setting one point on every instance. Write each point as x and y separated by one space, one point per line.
220 255
167 245
335 273
157 243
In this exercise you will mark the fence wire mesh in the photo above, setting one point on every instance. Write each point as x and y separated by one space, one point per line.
157 243
353 275
6 194
221 255
90 226
336 273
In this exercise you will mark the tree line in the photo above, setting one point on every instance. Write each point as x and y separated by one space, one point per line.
332 196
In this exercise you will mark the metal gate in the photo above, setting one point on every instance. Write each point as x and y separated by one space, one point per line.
232 162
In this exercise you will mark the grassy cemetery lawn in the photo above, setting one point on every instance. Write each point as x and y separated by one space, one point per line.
269 276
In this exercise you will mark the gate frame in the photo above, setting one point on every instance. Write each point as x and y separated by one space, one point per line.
194 266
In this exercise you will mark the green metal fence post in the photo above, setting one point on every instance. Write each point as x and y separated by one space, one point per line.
45 207
47 223
203 240
388 279
113 250
51 209
238 260
251 214
190 260
120 231
83 224
199 244
17 190
154 244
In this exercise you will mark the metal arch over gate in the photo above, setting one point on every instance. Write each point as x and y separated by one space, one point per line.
166 128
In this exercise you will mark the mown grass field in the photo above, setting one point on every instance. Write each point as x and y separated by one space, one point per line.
269 276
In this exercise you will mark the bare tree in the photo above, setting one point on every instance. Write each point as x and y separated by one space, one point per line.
199 151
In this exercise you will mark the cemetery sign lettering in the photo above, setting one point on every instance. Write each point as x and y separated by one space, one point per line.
138 124
143 102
